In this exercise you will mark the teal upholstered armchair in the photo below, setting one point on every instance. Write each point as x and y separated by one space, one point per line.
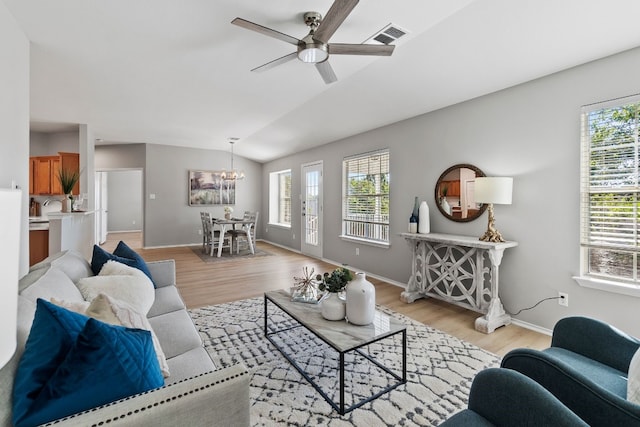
505 398
586 368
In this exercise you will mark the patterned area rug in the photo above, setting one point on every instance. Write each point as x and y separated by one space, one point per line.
226 256
440 369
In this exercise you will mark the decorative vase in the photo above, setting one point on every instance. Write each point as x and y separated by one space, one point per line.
423 219
227 216
413 219
361 300
332 307
66 204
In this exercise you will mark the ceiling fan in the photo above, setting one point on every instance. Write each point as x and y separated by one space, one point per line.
315 48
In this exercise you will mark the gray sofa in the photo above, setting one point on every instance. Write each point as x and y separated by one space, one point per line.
195 394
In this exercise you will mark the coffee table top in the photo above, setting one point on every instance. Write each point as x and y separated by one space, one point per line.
339 334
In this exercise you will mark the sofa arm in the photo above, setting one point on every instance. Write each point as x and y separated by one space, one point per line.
216 398
163 272
595 340
577 390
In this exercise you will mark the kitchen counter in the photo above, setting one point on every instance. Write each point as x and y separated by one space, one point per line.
38 223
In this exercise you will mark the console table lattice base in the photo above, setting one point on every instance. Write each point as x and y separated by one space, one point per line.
461 270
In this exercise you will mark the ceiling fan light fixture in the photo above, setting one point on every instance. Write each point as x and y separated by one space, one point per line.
312 53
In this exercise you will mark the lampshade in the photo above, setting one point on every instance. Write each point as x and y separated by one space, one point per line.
493 189
10 202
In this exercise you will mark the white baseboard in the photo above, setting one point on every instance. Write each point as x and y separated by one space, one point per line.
532 327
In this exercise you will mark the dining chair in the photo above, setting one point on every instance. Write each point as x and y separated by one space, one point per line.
205 218
211 235
240 234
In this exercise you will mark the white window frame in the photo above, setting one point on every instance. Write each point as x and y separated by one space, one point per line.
608 228
375 231
277 198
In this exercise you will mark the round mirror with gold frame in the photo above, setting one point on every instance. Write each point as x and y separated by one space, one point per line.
454 193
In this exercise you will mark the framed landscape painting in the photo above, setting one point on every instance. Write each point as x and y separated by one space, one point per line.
208 188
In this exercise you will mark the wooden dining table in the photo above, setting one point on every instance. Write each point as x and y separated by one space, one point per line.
230 224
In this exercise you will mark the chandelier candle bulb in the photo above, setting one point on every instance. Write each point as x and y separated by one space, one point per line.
423 219
361 300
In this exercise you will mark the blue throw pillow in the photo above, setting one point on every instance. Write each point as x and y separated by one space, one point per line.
53 332
124 251
100 258
106 363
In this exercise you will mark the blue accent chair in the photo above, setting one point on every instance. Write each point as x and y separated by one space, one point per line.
586 368
506 398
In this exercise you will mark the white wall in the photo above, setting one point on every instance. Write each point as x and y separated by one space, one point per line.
14 118
530 132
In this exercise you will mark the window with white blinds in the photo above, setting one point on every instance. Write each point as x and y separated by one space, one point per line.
365 202
610 207
280 198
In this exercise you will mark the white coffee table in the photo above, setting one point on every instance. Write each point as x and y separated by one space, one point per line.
343 337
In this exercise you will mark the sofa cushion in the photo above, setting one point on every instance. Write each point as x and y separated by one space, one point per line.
71 262
135 289
105 363
633 386
124 251
52 284
167 300
190 363
100 258
598 373
176 333
53 333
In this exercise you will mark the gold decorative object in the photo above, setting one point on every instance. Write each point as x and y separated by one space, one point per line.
492 234
305 288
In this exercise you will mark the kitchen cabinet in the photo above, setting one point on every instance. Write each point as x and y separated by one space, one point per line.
43 173
453 188
38 246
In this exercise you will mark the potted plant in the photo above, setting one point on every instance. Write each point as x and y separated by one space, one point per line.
68 179
333 307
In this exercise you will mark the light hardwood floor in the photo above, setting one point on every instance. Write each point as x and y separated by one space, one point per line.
203 284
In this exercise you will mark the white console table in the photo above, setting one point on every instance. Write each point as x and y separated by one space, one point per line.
452 268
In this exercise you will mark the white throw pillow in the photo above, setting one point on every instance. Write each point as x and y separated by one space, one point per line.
115 312
633 379
136 290
115 268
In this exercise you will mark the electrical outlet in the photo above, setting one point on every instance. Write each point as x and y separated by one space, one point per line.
563 299
200 231
294 236
357 251
134 222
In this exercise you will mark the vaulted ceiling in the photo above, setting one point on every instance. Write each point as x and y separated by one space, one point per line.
177 72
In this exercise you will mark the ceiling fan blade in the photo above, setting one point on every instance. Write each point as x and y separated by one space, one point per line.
266 31
276 62
338 12
360 49
326 72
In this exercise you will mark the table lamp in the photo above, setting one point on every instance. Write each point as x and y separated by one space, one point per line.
10 202
492 190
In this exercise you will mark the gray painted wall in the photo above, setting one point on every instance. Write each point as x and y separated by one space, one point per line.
14 118
169 220
49 144
125 200
120 156
530 132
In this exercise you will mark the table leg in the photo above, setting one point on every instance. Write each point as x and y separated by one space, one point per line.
223 230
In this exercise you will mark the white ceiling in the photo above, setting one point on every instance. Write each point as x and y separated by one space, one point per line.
177 72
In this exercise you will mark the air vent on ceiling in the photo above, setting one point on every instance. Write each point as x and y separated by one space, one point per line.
388 35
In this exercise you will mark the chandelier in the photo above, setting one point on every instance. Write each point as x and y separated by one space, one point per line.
232 174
